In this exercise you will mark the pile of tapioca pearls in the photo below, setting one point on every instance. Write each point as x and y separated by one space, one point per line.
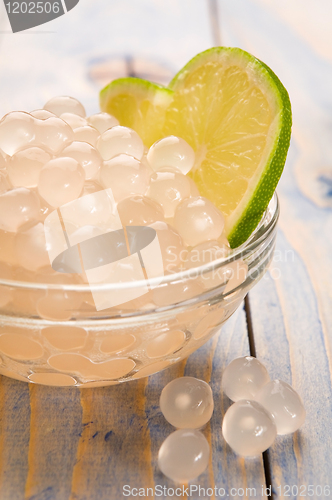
262 409
52 156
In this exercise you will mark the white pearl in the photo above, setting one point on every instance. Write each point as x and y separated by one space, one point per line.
54 134
102 121
139 211
120 140
198 220
65 104
243 378
171 245
167 294
17 207
248 428
41 114
74 121
285 405
17 129
24 166
187 403
60 181
86 134
31 248
205 253
171 152
86 155
169 188
125 175
184 455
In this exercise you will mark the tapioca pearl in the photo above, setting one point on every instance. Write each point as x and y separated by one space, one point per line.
169 189
243 378
120 140
3 161
4 182
184 455
90 187
24 166
203 254
54 379
248 428
165 344
172 293
125 175
152 368
238 272
65 338
76 363
198 220
60 305
60 181
7 248
171 151
54 134
17 207
74 121
65 104
285 405
31 248
187 403
172 248
17 129
42 114
115 343
6 293
139 211
20 347
86 134
86 155
102 121
209 322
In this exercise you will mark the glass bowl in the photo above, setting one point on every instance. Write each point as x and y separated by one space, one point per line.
52 334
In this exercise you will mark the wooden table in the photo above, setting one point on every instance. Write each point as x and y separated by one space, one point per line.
59 444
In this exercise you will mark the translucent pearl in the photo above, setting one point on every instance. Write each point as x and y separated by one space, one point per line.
198 220
184 455
125 175
74 121
187 403
167 294
171 152
102 121
243 378
41 114
87 134
7 247
65 104
248 428
204 253
86 155
169 189
17 130
61 180
171 245
31 250
24 166
120 140
91 187
139 211
17 207
4 182
285 405
54 134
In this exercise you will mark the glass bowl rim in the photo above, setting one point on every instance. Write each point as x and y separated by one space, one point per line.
255 240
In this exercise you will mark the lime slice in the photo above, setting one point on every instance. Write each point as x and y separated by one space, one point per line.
138 104
235 113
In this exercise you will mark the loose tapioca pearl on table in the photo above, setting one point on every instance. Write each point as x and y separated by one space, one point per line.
198 220
285 405
169 188
17 207
54 134
139 211
24 166
125 175
86 155
184 455
173 250
248 428
243 378
102 121
31 248
74 121
187 402
120 140
41 114
171 151
60 181
65 104
87 134
17 129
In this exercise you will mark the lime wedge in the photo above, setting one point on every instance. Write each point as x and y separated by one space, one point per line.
138 104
